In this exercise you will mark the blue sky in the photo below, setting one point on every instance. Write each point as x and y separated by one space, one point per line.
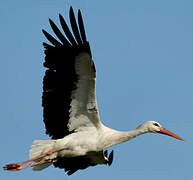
143 55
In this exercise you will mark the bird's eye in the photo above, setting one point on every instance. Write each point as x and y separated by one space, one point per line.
156 124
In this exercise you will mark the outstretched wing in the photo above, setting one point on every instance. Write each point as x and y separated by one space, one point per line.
69 85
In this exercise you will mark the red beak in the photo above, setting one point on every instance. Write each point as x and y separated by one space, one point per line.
169 133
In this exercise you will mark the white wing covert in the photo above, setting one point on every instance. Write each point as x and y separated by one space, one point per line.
84 111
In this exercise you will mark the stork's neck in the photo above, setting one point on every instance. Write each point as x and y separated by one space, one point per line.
117 137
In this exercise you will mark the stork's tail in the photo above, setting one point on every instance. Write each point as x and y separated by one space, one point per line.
42 154
40 147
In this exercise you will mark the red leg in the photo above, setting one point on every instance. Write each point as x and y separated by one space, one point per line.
18 166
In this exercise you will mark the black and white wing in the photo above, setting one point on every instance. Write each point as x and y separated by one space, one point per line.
69 86
69 89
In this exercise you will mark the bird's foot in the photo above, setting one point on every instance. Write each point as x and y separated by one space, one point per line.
12 167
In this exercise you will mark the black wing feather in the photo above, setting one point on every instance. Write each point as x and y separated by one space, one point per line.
52 39
110 158
67 30
81 26
74 26
59 34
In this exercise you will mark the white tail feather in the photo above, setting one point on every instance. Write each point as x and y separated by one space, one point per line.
41 146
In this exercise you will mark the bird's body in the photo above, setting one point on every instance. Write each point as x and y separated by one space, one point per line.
89 143
78 137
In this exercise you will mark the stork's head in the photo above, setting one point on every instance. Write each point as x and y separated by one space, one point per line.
155 127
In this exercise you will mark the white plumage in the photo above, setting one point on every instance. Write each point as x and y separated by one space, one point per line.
78 137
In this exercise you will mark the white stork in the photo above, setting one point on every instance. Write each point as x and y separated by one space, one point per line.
78 137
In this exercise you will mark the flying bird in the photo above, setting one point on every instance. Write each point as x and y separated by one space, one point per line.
78 137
